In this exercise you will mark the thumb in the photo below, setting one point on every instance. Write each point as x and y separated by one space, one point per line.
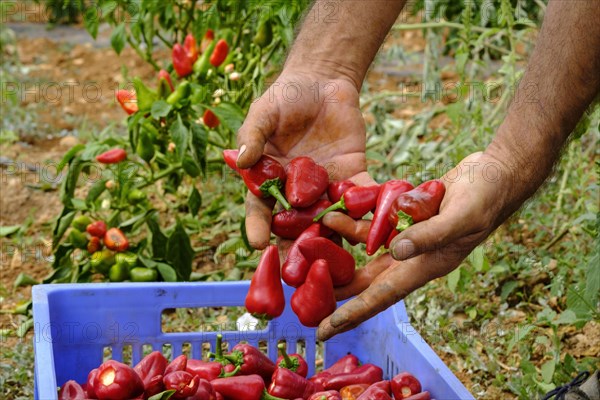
259 125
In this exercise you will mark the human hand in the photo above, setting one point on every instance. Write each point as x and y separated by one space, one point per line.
480 195
302 115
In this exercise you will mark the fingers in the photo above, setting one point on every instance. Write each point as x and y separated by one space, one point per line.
258 221
259 125
350 229
364 276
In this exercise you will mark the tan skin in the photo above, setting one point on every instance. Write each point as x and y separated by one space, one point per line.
482 191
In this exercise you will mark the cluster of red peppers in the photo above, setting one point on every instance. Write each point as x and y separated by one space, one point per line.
245 373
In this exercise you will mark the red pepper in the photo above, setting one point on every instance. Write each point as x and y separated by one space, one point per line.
320 378
374 393
306 182
94 245
205 391
341 263
114 239
314 300
128 101
245 387
289 385
89 384
352 392
71 390
326 395
265 297
209 36
210 370
210 119
149 367
113 156
367 373
219 53
420 396
184 383
117 381
385 385
380 225
178 364
419 204
405 385
264 179
391 237
295 267
164 75
290 224
251 361
357 200
336 189
97 229
294 362
182 63
189 44
346 364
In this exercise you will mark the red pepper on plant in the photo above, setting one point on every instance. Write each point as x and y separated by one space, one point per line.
289 385
97 229
71 390
336 189
405 385
94 245
341 263
357 201
117 381
189 44
367 373
128 101
264 179
209 36
115 239
184 383
182 63
163 75
314 300
219 54
265 297
113 156
244 387
210 119
295 267
294 362
380 225
289 224
416 205
306 182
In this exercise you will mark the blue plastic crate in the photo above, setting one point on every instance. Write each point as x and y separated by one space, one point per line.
73 324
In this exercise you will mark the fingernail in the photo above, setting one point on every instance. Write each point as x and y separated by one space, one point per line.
403 249
242 150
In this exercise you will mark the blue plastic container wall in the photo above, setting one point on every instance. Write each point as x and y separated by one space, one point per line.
73 324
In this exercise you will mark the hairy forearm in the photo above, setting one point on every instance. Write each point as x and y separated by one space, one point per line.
559 83
339 39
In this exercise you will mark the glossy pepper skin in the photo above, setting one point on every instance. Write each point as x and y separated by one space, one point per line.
179 363
289 385
210 119
405 385
128 101
113 156
346 364
219 54
208 370
294 362
374 393
419 204
117 381
152 365
315 300
341 263
367 373
189 44
290 224
164 75
244 387
143 274
265 296
380 225
295 267
326 395
89 384
71 390
97 229
251 361
420 396
306 182
182 63
264 34
357 201
114 239
205 391
264 179
184 383
336 189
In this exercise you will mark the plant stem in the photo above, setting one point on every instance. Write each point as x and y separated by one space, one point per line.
161 175
145 57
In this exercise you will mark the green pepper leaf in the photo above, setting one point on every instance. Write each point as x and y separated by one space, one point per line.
69 155
166 395
95 191
117 39
160 109
199 142
159 240
62 224
230 115
180 253
145 96
9 230
24 280
194 201
166 272
181 135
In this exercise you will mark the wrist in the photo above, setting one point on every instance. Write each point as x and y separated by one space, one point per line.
323 70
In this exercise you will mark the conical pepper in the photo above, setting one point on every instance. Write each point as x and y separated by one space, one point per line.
209 370
264 179
306 182
367 373
289 385
219 53
341 263
289 224
346 364
357 201
336 189
380 225
314 300
295 267
128 101
294 362
245 387
265 297
416 205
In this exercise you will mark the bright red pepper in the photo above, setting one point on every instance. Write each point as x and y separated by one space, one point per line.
71 390
189 44
97 229
352 392
154 364
320 378
182 63
89 384
128 101
380 225
209 370
251 361
294 362
209 36
326 395
114 239
346 364
184 383
374 393
391 237
341 263
315 300
164 75
205 391
290 224
366 373
289 385
219 53
405 385
264 179
420 396
245 387
306 182
295 267
357 201
210 119
117 381
265 297
179 363
419 204
113 156
94 245
336 189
